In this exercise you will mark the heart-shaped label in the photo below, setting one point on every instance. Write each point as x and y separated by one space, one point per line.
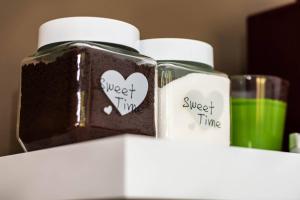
107 110
205 110
125 95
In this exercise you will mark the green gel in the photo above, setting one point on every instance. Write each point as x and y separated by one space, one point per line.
257 123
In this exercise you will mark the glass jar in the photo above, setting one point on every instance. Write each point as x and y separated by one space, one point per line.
258 111
85 81
193 97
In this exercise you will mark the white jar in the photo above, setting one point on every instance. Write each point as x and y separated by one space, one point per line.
194 101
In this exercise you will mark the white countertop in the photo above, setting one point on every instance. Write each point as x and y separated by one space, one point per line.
136 167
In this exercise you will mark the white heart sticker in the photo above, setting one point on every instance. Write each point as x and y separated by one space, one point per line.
107 110
125 95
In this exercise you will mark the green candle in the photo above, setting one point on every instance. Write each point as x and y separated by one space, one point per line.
257 123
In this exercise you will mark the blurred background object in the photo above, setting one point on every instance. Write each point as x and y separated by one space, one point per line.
220 23
294 142
274 49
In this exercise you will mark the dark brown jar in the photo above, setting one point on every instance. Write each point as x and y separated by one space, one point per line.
86 81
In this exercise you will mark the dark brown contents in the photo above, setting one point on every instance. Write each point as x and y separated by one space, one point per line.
62 101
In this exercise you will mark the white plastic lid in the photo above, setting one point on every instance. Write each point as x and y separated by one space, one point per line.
94 29
178 49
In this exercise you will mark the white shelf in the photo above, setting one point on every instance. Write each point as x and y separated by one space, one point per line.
143 168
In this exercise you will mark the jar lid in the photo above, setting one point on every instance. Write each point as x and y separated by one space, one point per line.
178 49
95 29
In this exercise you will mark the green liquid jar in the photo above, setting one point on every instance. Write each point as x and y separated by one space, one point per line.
258 110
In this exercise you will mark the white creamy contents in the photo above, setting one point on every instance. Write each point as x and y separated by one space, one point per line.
196 106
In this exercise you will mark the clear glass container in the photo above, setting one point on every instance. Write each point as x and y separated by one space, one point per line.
78 91
193 98
258 111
